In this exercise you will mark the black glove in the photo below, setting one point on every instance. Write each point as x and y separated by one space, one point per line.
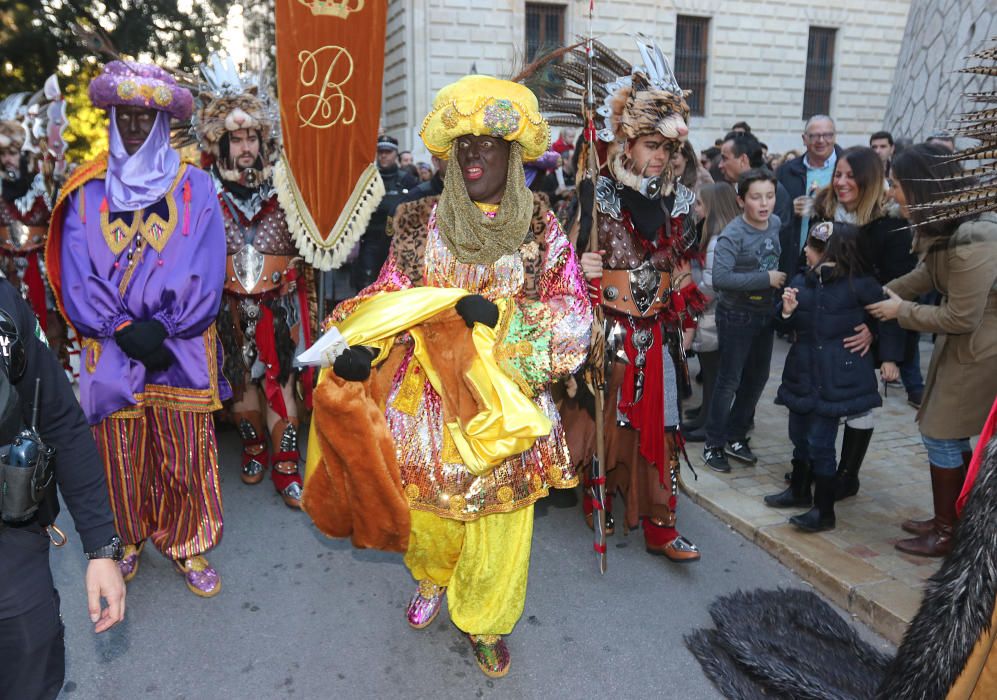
159 359
140 339
475 308
354 364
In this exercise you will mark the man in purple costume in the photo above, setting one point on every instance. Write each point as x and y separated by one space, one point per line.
137 262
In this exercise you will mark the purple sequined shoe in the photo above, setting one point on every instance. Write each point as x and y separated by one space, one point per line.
491 654
425 604
129 561
200 577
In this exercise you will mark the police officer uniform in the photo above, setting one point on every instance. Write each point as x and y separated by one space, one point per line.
32 654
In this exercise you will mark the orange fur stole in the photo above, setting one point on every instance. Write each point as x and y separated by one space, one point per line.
356 489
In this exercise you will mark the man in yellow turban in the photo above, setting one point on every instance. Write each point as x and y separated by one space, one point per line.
472 526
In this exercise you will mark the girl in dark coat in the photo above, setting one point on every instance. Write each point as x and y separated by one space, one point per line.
856 196
823 381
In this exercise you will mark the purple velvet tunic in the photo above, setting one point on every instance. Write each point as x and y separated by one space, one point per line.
176 279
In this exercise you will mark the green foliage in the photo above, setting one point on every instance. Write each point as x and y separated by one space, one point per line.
36 40
87 132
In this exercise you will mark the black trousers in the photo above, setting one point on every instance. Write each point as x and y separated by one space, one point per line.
32 647
34 654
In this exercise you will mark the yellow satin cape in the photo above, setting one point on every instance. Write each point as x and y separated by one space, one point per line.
508 422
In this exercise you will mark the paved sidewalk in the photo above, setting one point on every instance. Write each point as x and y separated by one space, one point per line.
856 564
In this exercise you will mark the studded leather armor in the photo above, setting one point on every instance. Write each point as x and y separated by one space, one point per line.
272 236
22 233
260 250
624 251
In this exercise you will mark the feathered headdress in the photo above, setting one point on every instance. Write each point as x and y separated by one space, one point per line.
633 100
981 195
35 123
228 101
12 131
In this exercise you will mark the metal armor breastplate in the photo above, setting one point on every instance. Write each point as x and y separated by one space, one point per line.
643 291
248 266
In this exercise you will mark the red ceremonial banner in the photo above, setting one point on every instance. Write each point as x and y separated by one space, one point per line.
330 66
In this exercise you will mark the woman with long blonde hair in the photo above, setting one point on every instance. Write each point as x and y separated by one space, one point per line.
716 206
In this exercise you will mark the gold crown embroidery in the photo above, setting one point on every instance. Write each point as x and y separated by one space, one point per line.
333 8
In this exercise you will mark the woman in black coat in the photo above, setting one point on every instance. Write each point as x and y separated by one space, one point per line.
856 196
822 381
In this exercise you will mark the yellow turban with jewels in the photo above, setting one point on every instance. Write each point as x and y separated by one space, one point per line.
480 105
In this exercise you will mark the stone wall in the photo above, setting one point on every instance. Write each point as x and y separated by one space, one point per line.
757 56
927 90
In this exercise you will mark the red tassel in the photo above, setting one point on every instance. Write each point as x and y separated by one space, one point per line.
186 208
590 132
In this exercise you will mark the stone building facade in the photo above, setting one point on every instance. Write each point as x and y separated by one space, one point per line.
928 88
756 56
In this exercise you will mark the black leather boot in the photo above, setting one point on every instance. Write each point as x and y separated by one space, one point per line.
821 517
854 445
798 494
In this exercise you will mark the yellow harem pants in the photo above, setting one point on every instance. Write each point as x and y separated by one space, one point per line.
484 564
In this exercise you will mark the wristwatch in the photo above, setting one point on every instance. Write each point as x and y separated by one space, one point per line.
111 550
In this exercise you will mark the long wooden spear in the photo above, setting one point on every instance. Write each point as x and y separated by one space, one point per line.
596 367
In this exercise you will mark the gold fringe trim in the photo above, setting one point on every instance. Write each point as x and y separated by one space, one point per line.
329 252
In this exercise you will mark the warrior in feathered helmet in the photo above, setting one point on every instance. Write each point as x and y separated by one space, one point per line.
638 270
265 316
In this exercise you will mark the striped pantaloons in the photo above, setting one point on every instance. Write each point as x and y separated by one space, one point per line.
162 474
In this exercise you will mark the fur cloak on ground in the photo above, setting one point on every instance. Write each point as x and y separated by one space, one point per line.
786 644
791 644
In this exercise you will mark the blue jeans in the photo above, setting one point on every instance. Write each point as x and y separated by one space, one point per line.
813 439
946 454
745 356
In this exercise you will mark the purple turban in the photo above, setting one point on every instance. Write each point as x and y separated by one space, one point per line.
140 85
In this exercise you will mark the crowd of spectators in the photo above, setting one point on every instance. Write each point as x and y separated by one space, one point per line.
863 275
816 246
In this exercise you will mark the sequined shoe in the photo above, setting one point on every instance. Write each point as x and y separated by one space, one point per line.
200 577
491 654
129 561
425 604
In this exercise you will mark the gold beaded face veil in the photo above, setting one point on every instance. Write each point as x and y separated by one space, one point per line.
470 234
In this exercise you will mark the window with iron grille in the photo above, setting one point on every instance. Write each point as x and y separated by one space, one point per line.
544 28
692 35
820 72
544 33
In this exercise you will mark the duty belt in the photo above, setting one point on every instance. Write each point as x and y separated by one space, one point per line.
642 292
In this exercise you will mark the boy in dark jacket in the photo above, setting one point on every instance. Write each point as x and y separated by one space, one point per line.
822 381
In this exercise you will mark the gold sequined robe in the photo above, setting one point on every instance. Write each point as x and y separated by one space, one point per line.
545 338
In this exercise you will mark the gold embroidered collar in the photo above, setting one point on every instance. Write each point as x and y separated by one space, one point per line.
153 228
